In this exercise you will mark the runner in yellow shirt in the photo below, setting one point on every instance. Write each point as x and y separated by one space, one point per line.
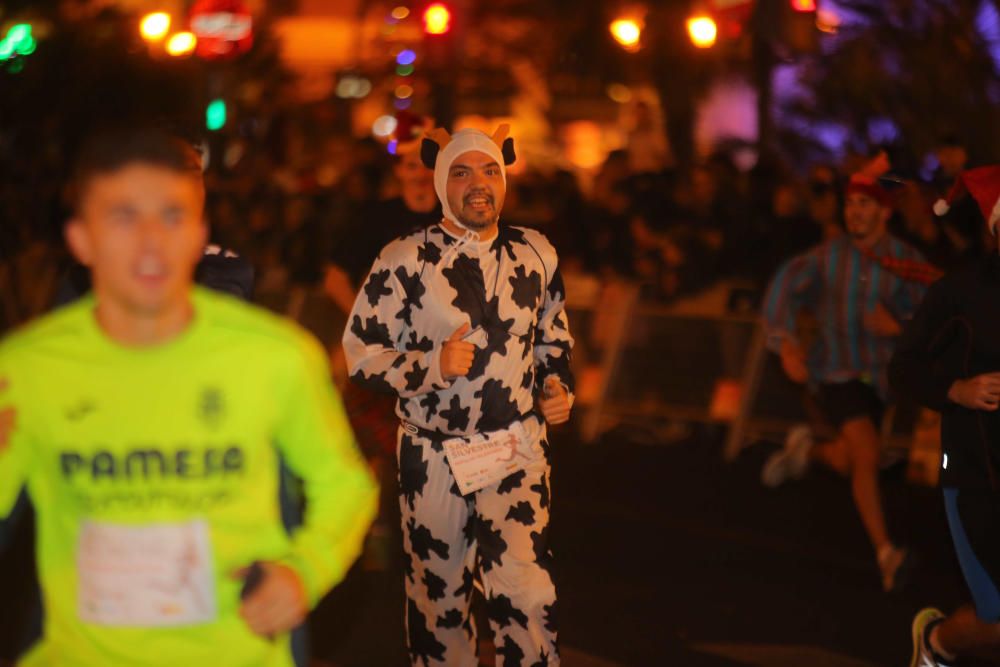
146 421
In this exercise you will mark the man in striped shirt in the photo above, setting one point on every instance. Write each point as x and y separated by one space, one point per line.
859 288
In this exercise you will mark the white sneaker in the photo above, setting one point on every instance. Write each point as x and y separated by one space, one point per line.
792 461
923 656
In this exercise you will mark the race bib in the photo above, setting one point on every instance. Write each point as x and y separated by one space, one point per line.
486 458
151 575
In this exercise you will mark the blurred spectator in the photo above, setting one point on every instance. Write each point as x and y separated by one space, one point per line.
917 226
823 201
303 242
359 242
791 230
648 149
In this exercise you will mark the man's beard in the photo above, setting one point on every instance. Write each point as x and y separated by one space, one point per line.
478 224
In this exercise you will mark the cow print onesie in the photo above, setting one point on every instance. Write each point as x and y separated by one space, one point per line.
422 288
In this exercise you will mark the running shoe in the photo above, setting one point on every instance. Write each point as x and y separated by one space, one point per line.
793 459
923 654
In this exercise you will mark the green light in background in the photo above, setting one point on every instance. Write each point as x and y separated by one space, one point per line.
215 115
404 70
18 41
27 47
18 33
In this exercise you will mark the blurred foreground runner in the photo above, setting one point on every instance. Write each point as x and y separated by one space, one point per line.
144 420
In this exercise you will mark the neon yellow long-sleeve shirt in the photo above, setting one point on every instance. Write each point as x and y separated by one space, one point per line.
154 475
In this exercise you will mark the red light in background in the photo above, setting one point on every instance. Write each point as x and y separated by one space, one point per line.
804 5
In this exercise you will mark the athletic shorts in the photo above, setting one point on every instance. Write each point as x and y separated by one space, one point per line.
843 401
974 521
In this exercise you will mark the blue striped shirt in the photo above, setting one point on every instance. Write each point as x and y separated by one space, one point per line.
839 284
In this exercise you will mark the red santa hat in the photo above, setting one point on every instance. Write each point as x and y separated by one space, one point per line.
410 130
866 180
983 183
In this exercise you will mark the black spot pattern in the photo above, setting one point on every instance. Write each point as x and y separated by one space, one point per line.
376 382
543 660
492 546
527 341
422 542
430 253
377 287
550 616
430 403
414 291
469 529
423 645
528 380
468 579
415 377
425 344
497 336
457 416
506 239
436 586
502 612
540 545
499 410
451 619
525 288
412 470
557 289
408 565
511 482
466 277
542 489
522 512
372 332
511 652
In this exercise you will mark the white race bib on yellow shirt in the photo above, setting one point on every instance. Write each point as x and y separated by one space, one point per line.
150 575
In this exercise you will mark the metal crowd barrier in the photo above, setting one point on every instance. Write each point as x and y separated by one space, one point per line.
644 364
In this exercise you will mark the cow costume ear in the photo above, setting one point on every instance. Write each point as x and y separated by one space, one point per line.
429 150
505 144
508 152
433 144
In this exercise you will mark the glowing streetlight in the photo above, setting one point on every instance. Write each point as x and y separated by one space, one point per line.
626 32
437 19
155 26
703 31
181 44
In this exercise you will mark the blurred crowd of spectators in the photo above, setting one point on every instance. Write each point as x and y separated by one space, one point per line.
291 206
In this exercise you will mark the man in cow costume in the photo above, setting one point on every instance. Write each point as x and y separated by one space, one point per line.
463 321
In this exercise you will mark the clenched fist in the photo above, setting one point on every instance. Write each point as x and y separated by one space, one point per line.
457 355
277 604
554 402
